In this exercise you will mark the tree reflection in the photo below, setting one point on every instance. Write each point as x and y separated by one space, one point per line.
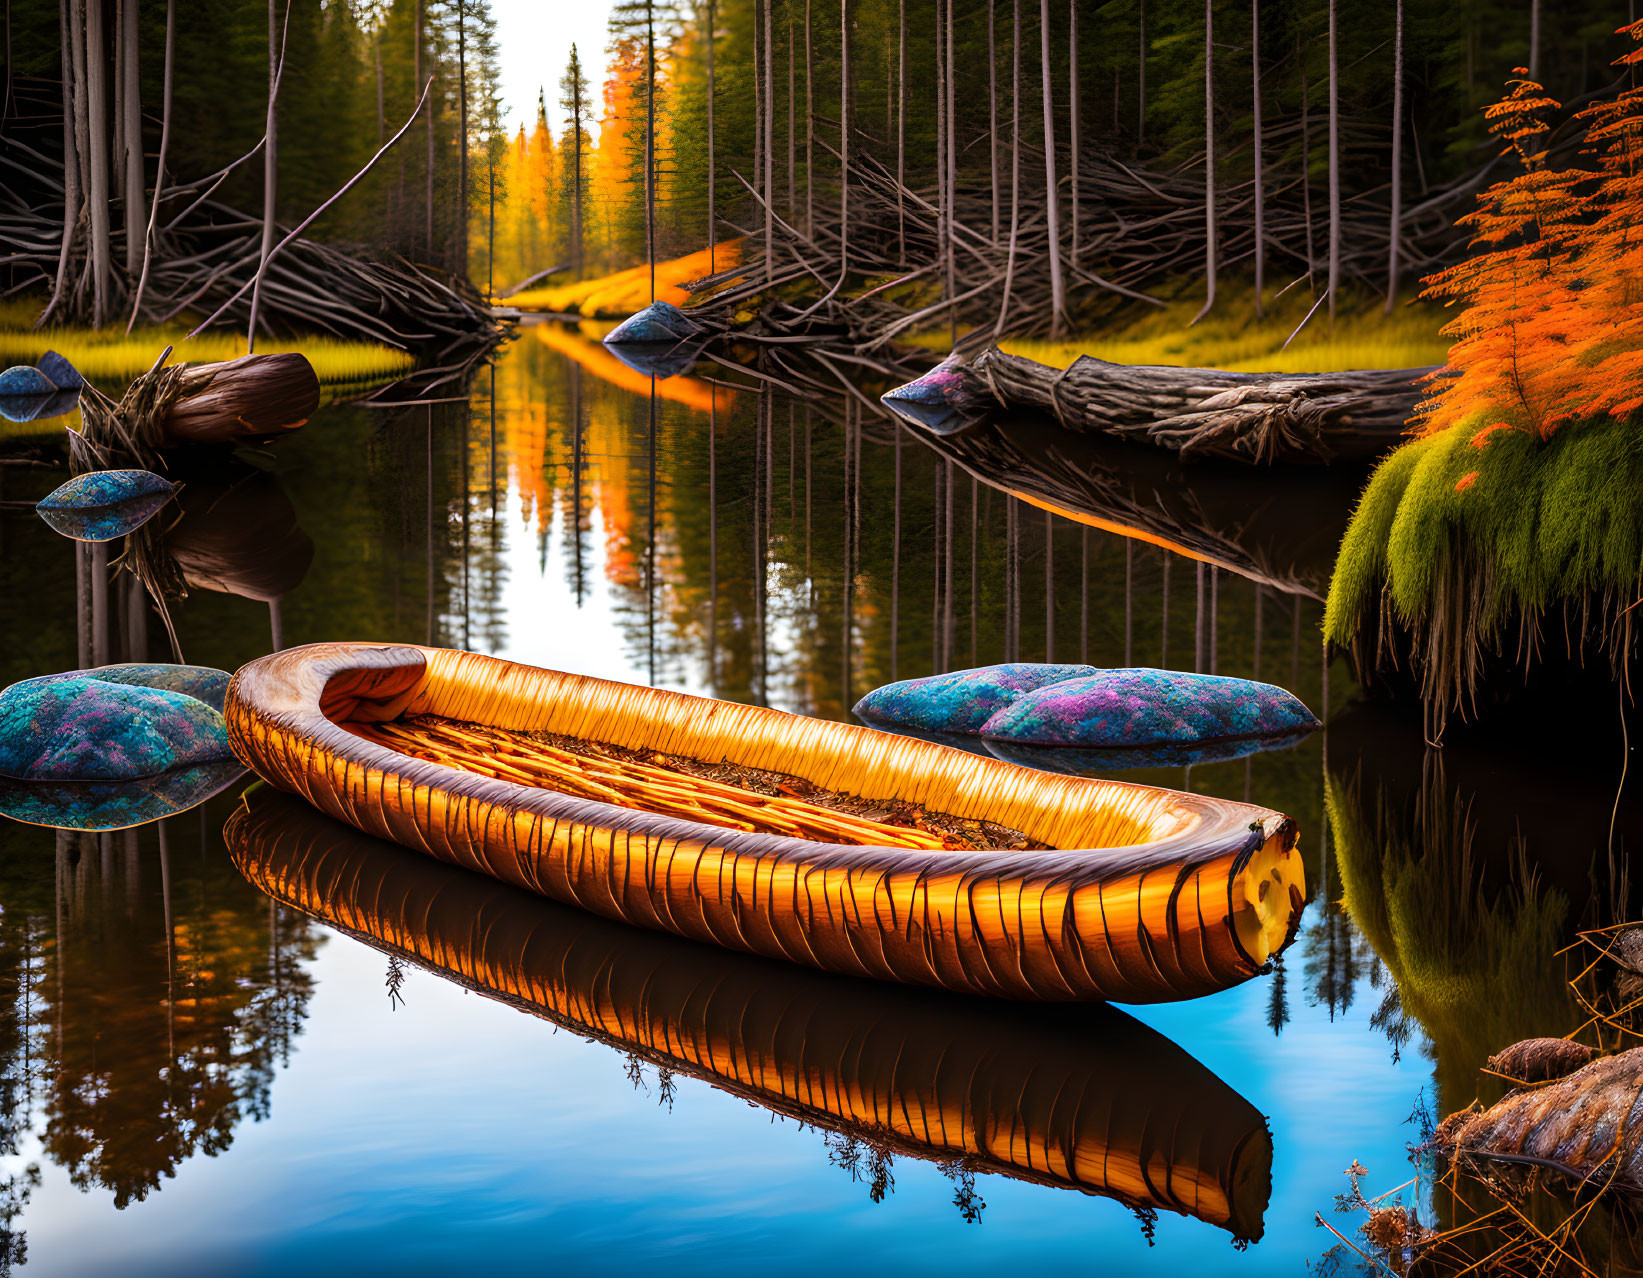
151 995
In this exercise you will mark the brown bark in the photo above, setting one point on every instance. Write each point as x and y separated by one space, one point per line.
131 123
1397 164
1058 298
1197 412
95 67
1209 160
1586 1126
1260 185
1334 165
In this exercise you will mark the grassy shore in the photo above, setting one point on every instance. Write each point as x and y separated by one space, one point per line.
109 355
1231 338
1468 539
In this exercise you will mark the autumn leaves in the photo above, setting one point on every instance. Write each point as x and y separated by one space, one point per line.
1552 327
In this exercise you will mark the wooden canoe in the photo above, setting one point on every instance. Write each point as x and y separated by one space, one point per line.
1146 895
1075 1098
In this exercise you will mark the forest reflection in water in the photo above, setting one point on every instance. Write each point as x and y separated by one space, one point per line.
722 538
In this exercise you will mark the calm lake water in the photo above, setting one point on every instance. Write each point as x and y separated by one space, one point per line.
440 1075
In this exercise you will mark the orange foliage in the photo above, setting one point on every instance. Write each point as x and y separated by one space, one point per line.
1552 327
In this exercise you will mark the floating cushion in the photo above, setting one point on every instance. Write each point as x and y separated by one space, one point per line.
658 322
204 683
1165 754
81 727
116 805
103 504
1142 707
962 701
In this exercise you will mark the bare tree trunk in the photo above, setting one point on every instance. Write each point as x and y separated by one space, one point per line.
758 101
270 167
1072 118
96 76
901 125
943 241
159 167
844 140
766 144
1534 39
650 137
952 177
712 181
810 128
1141 89
71 159
1397 164
428 200
1260 187
131 109
1306 169
792 122
461 263
1015 169
1209 159
1058 300
1334 166
382 124
992 112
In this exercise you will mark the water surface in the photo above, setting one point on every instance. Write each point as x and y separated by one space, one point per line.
201 1078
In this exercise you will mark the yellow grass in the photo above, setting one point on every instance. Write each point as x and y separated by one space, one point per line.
620 295
1231 338
110 355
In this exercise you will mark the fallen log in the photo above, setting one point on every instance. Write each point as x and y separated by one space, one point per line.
1256 418
254 397
1586 1126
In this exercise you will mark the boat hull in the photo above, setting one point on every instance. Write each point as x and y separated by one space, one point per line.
1149 896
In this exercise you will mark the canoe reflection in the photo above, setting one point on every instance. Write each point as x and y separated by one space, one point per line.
1080 1098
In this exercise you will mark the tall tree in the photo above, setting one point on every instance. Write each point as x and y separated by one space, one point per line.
131 112
1015 170
1334 164
1396 231
1052 197
1260 186
270 161
1072 118
1209 160
575 101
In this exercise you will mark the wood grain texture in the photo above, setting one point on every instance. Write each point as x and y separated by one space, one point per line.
1256 418
1075 1098
1155 896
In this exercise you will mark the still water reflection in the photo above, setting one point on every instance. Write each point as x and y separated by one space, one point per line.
347 1059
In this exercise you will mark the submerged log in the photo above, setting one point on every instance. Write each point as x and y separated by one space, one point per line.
1587 1126
1257 418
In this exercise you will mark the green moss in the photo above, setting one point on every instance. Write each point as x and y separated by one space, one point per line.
1479 533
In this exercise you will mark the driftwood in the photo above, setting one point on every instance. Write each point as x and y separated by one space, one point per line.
254 397
1587 1126
1257 418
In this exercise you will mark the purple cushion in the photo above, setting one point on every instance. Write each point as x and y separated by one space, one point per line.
963 700
1138 707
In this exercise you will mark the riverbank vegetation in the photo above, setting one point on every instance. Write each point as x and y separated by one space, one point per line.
1282 339
895 159
1519 501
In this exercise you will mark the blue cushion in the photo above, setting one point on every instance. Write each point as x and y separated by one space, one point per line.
103 504
1140 707
83 728
962 701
